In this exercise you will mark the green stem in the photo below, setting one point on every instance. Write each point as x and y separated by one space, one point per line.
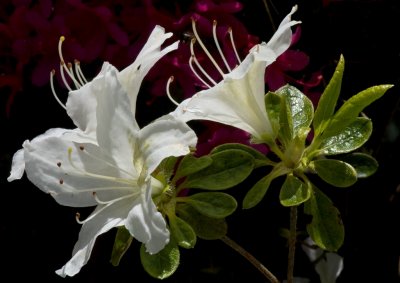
250 258
292 243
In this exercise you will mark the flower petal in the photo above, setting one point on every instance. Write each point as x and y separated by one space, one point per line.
132 76
162 138
146 224
72 172
116 131
103 219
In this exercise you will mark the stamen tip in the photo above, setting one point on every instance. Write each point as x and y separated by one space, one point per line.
53 72
171 78
214 22
62 38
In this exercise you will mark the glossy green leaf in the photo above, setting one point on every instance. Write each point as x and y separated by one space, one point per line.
259 158
258 191
294 191
298 106
122 242
205 227
162 264
213 204
364 164
335 172
229 168
327 102
190 165
350 138
166 169
182 232
352 108
326 227
273 108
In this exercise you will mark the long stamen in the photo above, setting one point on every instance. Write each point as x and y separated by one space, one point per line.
66 67
72 75
99 201
205 49
107 204
195 72
97 176
193 58
218 46
53 89
62 68
233 45
79 73
170 80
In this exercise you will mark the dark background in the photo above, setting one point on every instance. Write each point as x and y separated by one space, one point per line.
37 235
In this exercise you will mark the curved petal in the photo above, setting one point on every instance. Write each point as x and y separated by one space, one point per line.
146 224
116 133
72 172
82 103
132 76
162 138
18 161
101 220
235 102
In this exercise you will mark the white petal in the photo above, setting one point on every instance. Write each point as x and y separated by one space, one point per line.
132 76
105 219
116 131
18 162
329 268
18 166
82 103
146 224
73 178
162 138
235 102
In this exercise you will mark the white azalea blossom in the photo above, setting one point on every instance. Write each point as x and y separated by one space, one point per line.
238 99
107 161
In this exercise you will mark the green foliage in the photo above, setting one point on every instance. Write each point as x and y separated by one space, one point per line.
122 242
335 172
182 232
294 191
214 204
162 264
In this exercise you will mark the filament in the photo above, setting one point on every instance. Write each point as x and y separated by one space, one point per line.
53 89
170 80
205 49
233 45
218 46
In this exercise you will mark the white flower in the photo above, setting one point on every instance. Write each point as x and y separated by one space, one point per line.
238 100
107 161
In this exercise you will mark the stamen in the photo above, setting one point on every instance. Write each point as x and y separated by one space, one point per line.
195 72
205 49
96 212
193 58
233 45
170 80
71 74
218 46
98 200
54 91
79 73
62 68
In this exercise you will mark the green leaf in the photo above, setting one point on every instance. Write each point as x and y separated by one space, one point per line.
294 191
327 102
364 164
229 168
206 228
162 264
326 228
349 139
335 172
165 170
190 165
299 109
182 232
273 108
352 108
259 158
213 204
258 191
122 242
